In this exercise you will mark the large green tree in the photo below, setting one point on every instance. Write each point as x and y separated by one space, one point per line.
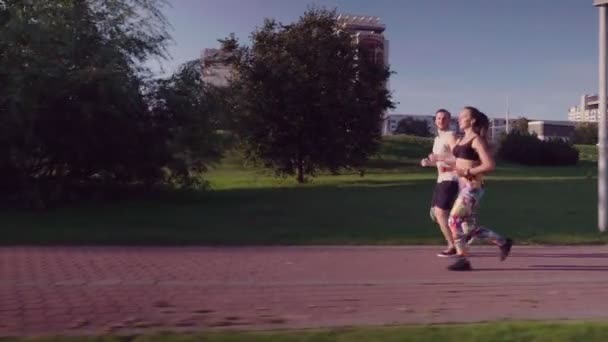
72 107
189 113
307 100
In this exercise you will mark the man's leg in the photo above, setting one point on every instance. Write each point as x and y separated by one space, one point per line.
442 220
443 199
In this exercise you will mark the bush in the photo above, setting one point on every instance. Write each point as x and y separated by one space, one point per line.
529 150
411 126
585 133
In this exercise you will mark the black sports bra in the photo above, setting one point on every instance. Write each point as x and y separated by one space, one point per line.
466 151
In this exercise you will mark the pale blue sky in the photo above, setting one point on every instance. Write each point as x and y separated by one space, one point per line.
446 53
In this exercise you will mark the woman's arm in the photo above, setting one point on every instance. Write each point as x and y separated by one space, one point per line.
487 163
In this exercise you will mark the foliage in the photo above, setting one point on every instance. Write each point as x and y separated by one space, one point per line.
521 125
413 126
585 133
529 150
307 98
78 107
187 113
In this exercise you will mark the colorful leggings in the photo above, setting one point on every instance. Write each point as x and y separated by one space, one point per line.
463 220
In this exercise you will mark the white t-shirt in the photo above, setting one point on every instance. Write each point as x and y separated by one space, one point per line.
441 146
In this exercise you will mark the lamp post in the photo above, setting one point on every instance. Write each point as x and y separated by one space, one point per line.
602 181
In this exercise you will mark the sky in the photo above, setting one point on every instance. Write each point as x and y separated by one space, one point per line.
535 57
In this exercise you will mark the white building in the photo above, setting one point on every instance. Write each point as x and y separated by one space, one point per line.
551 129
392 121
498 126
368 36
368 33
586 111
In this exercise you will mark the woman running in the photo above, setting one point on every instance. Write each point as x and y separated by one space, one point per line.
472 162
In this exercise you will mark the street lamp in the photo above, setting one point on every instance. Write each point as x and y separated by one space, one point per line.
602 181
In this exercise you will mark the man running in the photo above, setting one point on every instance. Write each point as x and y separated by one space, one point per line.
446 189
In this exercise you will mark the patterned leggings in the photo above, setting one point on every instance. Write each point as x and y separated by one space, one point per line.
463 220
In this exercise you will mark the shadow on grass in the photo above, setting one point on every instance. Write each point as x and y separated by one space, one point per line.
584 168
390 164
348 211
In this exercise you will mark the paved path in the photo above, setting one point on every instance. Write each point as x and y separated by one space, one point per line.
91 290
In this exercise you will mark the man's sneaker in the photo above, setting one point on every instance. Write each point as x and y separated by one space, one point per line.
450 252
462 264
505 249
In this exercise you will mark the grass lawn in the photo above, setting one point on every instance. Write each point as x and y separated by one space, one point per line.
389 205
513 331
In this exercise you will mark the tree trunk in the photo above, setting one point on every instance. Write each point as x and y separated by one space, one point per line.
300 171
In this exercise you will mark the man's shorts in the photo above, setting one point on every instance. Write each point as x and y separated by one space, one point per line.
445 195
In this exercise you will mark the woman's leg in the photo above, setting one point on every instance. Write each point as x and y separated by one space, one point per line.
463 223
462 217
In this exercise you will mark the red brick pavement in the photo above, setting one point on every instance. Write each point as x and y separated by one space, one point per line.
95 290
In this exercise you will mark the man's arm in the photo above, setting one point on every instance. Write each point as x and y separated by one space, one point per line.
427 162
452 140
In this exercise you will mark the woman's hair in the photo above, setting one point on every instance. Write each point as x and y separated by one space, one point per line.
482 123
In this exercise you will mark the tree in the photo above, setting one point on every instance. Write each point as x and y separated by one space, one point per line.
521 125
224 97
230 44
585 133
413 126
72 108
189 118
306 100
527 149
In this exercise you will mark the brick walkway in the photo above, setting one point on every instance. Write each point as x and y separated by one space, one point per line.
95 290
